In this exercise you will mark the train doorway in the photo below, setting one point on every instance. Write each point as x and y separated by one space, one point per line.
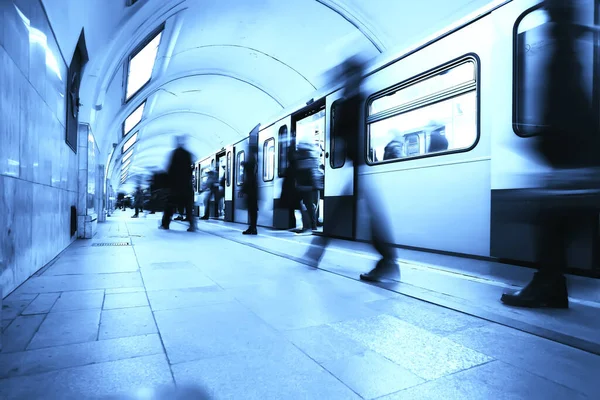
309 127
221 166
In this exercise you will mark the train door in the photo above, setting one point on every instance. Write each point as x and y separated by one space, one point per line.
339 180
221 165
204 168
266 175
283 139
309 126
240 154
228 189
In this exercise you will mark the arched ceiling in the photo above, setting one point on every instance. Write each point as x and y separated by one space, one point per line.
225 65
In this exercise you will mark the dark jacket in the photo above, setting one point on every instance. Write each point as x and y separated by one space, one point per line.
250 184
570 137
180 170
308 176
347 123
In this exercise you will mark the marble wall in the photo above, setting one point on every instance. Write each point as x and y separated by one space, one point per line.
38 171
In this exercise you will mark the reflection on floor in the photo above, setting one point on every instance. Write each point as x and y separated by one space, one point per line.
174 307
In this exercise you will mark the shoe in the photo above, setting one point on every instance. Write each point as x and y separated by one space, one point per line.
163 227
204 218
194 229
384 270
250 231
542 291
180 218
134 216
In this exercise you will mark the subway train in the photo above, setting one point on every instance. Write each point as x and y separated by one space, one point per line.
447 135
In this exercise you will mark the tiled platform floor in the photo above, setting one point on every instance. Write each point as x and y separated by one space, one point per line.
178 308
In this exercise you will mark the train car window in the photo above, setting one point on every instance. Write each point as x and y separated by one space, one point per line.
283 150
434 115
533 46
337 157
269 160
228 172
241 157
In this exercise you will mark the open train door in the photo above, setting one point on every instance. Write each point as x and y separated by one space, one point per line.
243 151
228 189
339 201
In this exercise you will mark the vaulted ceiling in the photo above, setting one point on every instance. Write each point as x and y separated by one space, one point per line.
222 66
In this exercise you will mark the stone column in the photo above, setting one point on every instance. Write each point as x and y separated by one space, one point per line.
101 194
86 216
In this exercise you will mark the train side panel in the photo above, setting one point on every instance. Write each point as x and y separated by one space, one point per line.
439 201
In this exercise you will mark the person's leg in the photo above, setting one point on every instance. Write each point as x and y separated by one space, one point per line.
190 214
168 212
252 216
548 288
382 239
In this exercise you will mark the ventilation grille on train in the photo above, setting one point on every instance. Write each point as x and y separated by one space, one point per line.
111 244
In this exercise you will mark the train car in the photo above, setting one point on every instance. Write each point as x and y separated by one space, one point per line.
448 134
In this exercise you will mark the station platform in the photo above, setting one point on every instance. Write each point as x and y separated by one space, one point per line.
245 317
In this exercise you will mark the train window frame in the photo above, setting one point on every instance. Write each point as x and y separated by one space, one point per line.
515 66
439 97
160 30
332 139
228 169
283 148
265 169
239 166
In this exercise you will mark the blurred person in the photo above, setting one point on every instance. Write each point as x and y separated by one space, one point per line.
180 184
211 188
290 199
222 192
349 116
138 201
569 143
308 181
250 190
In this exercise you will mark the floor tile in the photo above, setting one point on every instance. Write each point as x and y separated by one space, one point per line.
494 380
427 355
323 343
212 330
125 322
276 372
435 319
565 365
42 304
73 355
371 375
79 300
67 327
64 283
125 300
19 333
191 297
91 381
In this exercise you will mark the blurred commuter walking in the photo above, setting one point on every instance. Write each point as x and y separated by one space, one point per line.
180 184
349 117
569 142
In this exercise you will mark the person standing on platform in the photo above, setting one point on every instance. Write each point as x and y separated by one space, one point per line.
250 190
